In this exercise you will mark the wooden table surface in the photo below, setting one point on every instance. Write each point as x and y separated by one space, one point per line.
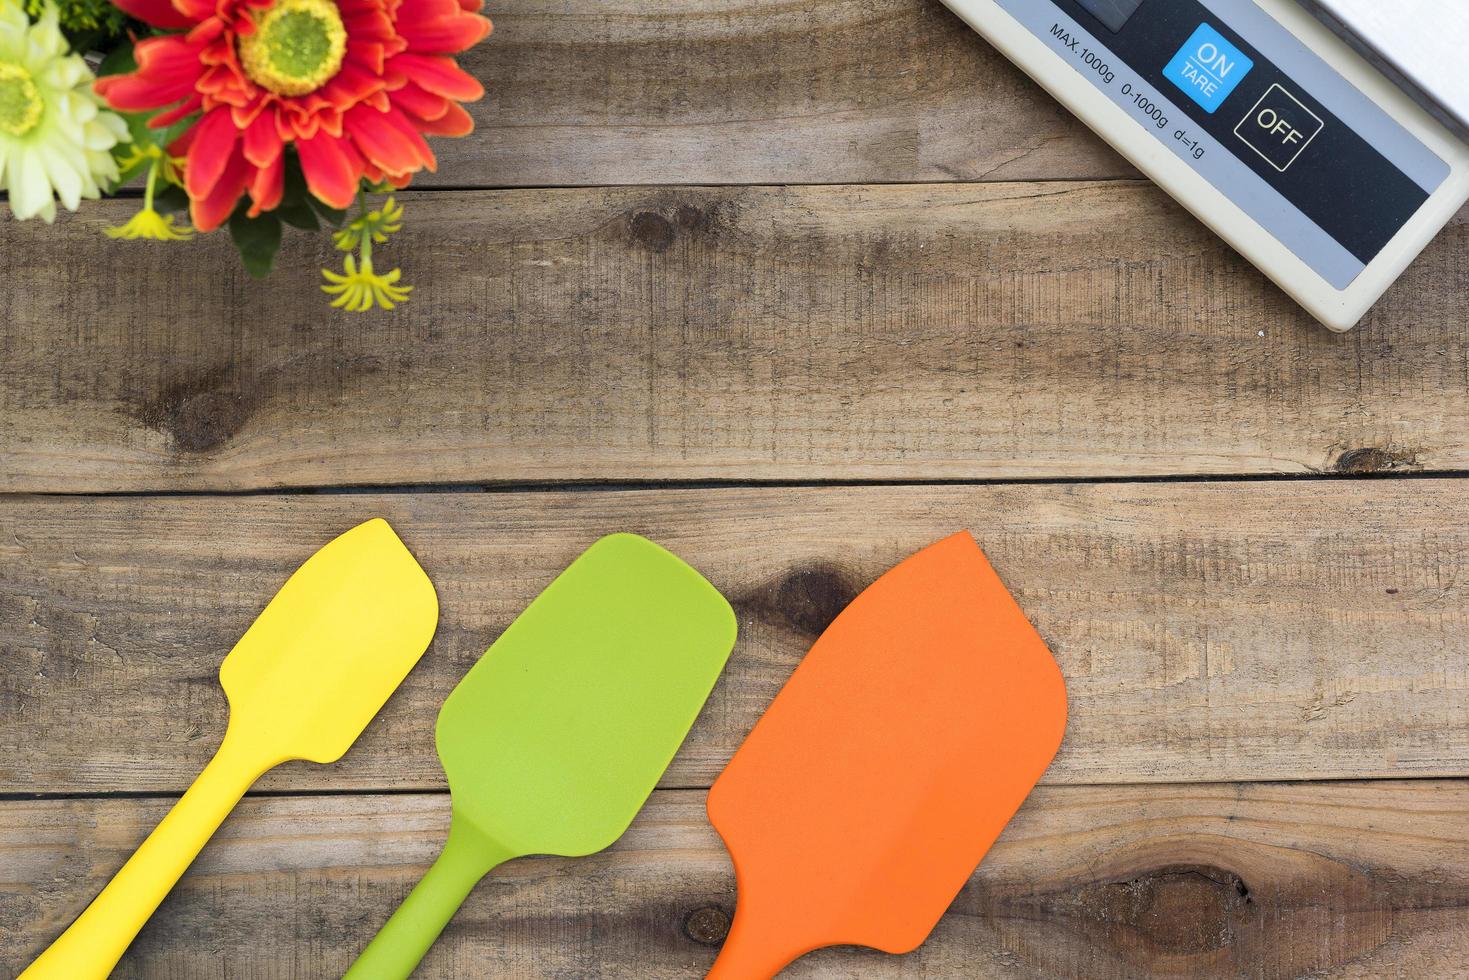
794 287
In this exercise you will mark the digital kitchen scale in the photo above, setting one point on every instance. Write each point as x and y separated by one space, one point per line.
1265 124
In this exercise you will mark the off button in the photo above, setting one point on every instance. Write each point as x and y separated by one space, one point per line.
1279 127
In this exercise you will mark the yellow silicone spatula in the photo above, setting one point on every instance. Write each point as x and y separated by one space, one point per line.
303 682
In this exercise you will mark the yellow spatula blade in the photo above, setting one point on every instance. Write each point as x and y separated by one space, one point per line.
334 643
303 682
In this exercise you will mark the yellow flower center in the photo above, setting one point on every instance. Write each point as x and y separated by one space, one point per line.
20 102
297 46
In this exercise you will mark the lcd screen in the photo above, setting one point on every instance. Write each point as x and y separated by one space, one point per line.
1112 13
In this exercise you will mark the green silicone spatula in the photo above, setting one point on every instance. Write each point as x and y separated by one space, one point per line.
303 682
556 737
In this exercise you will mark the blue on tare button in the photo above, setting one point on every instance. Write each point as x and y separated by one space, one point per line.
1207 68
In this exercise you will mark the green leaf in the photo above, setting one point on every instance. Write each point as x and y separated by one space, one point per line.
299 207
333 216
144 135
258 239
137 123
119 61
166 136
295 181
298 214
170 199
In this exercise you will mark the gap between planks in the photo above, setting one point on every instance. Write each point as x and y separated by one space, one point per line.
635 486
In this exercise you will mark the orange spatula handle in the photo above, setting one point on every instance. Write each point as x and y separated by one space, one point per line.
92 945
751 952
395 951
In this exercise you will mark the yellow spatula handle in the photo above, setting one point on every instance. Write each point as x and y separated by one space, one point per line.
92 945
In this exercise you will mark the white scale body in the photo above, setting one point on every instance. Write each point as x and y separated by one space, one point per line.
1263 123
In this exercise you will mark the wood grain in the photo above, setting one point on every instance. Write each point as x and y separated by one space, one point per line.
1056 319
755 91
1208 632
913 332
1338 880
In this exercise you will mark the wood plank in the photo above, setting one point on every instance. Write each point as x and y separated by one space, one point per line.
1209 632
755 91
916 332
1339 880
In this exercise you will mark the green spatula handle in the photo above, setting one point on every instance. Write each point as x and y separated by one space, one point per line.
395 951
96 940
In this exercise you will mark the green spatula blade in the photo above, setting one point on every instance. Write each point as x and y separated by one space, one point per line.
557 736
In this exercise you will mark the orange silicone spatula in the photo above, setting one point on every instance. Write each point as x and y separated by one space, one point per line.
888 764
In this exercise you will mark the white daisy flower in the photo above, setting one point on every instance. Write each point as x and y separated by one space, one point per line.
55 137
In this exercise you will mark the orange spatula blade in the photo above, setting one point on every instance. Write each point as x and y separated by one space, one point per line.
886 767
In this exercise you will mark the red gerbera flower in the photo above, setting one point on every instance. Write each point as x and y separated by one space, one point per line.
353 84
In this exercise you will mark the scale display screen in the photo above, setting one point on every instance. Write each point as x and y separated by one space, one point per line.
1253 111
